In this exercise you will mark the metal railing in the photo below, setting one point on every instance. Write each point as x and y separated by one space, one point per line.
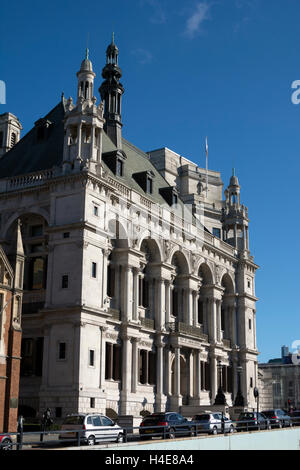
19 440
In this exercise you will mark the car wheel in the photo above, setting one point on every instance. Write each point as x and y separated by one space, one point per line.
6 444
290 424
172 434
280 424
231 429
214 430
193 432
91 440
120 437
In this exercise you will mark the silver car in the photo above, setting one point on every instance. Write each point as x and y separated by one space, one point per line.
212 423
93 427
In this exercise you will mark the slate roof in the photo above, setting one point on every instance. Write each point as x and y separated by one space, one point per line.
30 155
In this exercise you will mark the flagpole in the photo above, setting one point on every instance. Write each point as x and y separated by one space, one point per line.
206 154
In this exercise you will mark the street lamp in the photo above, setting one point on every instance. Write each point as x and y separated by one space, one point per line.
256 395
239 399
220 397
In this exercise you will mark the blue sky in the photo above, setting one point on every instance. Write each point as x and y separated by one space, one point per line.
220 68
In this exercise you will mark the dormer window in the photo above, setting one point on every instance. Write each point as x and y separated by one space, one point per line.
42 129
119 167
149 185
145 180
170 195
115 161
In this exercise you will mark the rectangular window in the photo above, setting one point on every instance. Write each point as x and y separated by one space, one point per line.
113 361
96 211
94 269
251 382
217 232
200 311
66 235
62 351
149 185
119 168
250 324
65 281
91 357
58 412
92 402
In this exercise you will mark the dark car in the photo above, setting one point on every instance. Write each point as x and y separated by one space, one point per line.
295 417
278 418
252 421
6 442
169 425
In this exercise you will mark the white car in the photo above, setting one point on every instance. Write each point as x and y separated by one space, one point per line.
93 427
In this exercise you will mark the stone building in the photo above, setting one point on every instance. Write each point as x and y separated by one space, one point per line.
139 290
11 282
279 382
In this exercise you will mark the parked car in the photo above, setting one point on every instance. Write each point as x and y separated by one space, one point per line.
278 418
212 423
169 424
295 417
6 442
252 421
94 427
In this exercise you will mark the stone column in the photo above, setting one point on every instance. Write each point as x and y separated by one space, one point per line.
190 305
126 375
135 313
177 372
213 320
104 254
159 375
160 305
102 357
190 371
195 307
135 364
198 375
128 293
168 383
79 138
168 301
219 322
213 377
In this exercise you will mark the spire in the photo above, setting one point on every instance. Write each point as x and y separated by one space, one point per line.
111 91
234 179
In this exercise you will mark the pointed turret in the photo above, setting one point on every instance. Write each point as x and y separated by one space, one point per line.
83 125
86 78
235 216
17 256
111 91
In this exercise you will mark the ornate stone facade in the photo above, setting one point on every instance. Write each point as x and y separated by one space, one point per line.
139 284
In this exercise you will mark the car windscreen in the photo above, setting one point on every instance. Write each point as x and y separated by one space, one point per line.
74 420
246 416
269 413
155 417
202 418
